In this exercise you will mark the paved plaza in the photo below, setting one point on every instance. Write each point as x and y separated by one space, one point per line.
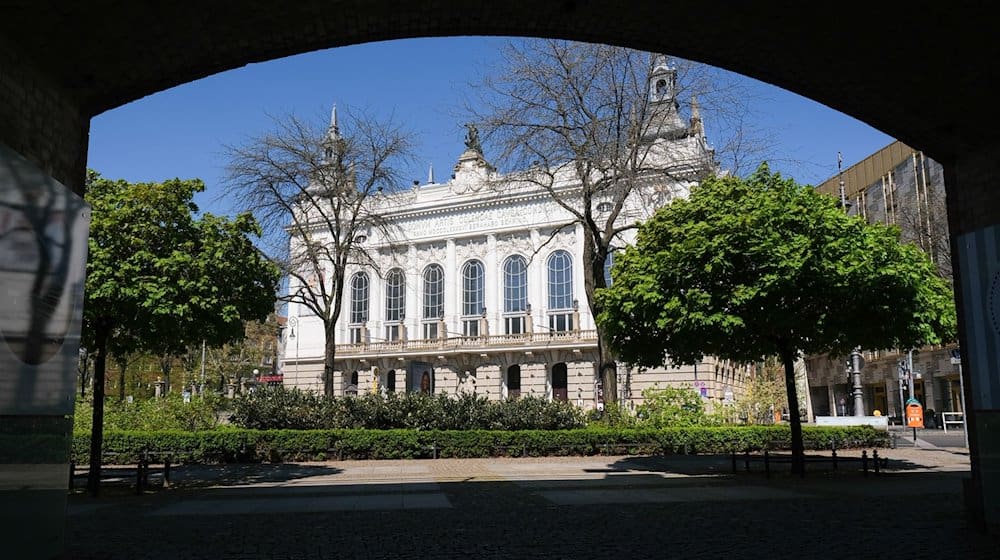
554 507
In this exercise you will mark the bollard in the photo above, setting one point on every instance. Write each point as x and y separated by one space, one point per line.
864 461
138 477
767 464
834 458
434 450
875 459
746 458
72 473
733 452
166 473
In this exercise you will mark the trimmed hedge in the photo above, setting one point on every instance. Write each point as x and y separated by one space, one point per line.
238 445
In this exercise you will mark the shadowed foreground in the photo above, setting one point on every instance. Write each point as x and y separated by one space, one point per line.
573 507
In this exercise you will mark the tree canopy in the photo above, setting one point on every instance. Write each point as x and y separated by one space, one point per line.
746 269
159 278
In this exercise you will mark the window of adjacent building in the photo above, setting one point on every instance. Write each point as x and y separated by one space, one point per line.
390 381
357 335
560 269
513 381
430 330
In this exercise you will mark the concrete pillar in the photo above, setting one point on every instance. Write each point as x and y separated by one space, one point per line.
974 221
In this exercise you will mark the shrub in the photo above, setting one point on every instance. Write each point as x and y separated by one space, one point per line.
672 406
167 413
239 445
280 408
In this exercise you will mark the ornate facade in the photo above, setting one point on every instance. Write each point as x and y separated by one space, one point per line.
479 287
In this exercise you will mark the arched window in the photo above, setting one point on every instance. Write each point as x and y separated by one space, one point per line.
359 307
609 261
560 268
472 288
560 280
433 307
433 292
515 284
603 207
352 387
359 298
515 293
395 302
513 381
473 278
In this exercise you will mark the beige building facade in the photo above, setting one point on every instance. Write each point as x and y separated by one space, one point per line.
902 186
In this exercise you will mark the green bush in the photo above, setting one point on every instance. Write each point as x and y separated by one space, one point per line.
167 413
227 445
672 406
281 408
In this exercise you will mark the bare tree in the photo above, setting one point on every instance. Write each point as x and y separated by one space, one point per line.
606 120
318 193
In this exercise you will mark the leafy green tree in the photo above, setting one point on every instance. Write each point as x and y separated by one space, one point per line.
746 269
159 279
671 406
763 395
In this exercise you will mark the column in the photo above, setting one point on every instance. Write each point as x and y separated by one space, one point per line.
451 291
413 290
493 286
537 293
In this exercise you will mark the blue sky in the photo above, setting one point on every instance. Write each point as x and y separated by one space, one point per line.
181 132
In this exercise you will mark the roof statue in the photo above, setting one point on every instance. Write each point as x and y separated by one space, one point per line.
472 139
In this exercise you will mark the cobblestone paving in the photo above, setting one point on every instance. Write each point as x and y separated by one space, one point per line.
504 509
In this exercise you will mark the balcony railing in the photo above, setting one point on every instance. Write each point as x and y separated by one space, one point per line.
494 341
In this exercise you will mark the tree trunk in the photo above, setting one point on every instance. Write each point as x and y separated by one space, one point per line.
798 450
122 364
329 353
97 432
165 370
608 370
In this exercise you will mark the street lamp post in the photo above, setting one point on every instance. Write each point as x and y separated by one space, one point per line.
856 361
292 323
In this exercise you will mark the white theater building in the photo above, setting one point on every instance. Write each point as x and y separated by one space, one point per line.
480 289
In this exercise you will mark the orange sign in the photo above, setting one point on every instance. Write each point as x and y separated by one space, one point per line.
914 414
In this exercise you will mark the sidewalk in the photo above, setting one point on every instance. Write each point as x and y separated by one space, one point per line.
598 508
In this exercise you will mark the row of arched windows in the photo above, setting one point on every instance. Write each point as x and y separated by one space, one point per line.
473 275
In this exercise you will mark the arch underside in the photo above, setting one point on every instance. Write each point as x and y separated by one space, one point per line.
884 65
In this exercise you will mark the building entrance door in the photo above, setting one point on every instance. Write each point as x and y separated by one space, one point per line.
559 382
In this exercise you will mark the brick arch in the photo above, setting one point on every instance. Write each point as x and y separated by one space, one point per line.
92 58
